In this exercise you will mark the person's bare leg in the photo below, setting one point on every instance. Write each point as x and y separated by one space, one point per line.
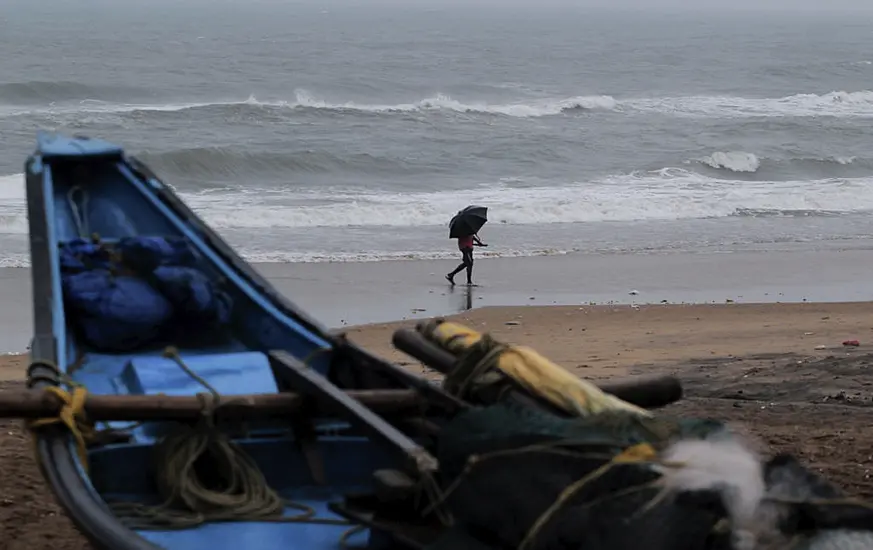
451 276
468 261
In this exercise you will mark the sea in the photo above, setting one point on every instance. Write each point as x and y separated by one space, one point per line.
353 131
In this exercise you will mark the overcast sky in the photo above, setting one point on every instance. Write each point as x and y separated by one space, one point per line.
786 6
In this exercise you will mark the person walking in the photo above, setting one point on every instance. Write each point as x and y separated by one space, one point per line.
465 245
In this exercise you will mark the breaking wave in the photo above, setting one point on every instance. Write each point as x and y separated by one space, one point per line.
834 104
667 194
751 166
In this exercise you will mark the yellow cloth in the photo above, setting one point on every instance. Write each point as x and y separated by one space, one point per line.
538 375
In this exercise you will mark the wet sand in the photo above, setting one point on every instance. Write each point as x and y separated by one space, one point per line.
777 371
343 294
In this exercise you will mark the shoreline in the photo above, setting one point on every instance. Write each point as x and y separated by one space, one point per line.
350 294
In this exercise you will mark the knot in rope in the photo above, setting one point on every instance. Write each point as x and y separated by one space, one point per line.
476 366
72 415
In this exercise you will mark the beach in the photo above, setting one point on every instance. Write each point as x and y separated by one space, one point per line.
669 190
777 372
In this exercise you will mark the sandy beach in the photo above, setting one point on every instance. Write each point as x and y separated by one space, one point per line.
777 371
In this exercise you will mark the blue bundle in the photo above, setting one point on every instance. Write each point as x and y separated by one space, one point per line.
145 254
194 296
115 313
137 291
81 254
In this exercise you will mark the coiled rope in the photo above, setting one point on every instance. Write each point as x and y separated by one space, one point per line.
233 488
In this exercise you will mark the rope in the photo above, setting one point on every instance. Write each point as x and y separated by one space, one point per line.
483 361
641 453
191 497
72 415
80 216
473 366
234 490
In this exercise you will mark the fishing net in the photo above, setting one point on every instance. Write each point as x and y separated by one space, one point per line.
514 477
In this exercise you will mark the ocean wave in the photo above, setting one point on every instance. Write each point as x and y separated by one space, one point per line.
23 260
747 164
832 104
836 104
382 256
233 163
667 194
444 102
304 101
735 161
786 213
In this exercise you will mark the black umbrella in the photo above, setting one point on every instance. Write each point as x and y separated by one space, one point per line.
468 221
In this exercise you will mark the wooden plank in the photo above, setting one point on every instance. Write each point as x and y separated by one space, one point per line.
329 397
31 404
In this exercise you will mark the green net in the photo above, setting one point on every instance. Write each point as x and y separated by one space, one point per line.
515 477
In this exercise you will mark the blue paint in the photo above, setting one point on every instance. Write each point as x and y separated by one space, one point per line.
228 374
285 469
57 295
50 146
264 535
116 203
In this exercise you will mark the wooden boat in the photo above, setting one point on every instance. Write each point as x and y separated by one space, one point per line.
310 458
327 427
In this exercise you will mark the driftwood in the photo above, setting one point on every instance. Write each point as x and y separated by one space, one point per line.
32 404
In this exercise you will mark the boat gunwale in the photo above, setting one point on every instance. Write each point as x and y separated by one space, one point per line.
57 460
56 456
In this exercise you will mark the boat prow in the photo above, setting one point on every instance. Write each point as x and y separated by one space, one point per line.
107 237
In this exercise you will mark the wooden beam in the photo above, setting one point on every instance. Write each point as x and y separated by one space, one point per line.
32 404
329 397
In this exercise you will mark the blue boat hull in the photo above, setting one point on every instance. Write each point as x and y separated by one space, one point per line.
126 200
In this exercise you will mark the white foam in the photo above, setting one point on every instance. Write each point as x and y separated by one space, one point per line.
735 161
537 108
668 194
833 104
348 257
13 208
304 99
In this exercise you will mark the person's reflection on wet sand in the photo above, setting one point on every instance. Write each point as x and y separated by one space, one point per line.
466 294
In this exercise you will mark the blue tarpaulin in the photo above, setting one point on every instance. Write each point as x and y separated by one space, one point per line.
125 295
